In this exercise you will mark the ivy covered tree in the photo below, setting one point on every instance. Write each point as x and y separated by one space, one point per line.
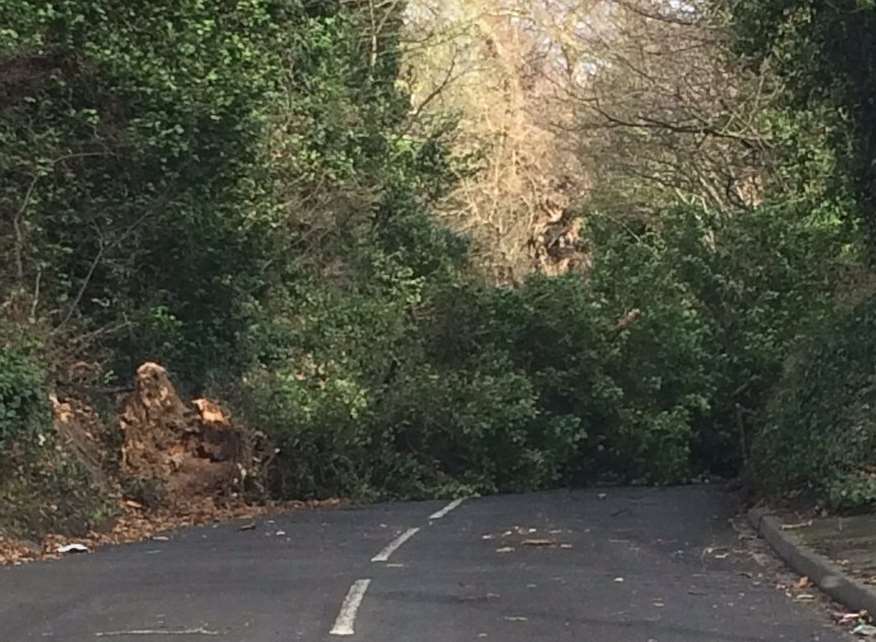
130 137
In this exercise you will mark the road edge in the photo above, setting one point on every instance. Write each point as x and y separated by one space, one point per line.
829 577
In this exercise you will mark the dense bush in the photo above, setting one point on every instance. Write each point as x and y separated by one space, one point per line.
820 436
571 343
730 294
653 367
668 350
24 410
429 433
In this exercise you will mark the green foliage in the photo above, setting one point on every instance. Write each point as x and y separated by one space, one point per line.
428 433
24 410
655 368
754 282
477 429
236 190
136 193
669 350
816 437
820 436
358 404
659 360
43 486
825 52
337 366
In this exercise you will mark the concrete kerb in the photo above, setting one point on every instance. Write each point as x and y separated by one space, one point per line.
829 577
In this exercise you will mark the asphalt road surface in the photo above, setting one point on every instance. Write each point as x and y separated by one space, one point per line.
630 565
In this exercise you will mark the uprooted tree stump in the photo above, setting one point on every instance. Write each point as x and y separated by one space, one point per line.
188 450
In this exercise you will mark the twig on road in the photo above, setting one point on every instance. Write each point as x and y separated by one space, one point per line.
116 634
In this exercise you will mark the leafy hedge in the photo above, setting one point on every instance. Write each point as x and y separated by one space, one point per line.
820 437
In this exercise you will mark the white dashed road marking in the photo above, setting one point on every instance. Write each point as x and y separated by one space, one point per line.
347 616
451 506
394 545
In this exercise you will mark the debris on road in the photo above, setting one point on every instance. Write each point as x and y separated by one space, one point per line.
519 536
804 583
858 617
865 630
718 553
118 634
794 527
859 623
545 543
72 548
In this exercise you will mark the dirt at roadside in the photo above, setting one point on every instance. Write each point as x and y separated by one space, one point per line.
137 523
847 540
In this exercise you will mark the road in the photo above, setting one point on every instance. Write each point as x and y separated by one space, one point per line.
618 565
